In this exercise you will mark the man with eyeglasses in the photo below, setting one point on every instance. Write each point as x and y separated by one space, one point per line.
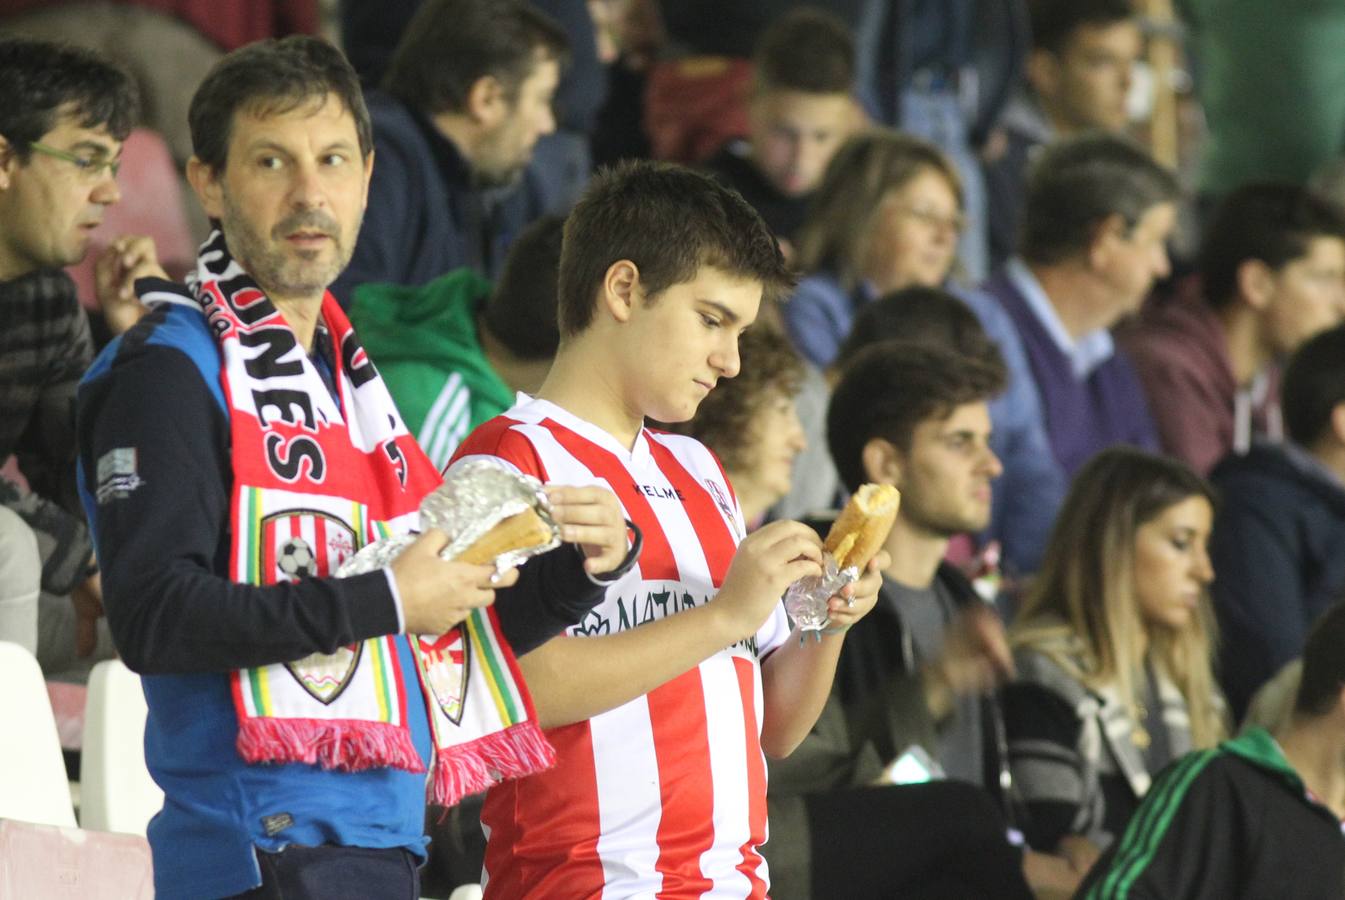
62 123
1098 215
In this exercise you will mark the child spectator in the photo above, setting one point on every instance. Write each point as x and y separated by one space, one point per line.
1113 648
1273 271
660 703
1099 211
751 424
1277 538
1259 816
802 109
455 351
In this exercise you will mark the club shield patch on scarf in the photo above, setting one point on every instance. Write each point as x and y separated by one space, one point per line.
445 667
318 473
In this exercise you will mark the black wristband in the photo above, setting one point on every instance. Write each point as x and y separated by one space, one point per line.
633 554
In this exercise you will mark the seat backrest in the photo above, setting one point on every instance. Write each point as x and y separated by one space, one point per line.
33 783
116 792
50 863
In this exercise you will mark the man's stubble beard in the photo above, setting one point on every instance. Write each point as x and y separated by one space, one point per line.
267 266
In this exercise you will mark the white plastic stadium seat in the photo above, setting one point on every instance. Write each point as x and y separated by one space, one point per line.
33 786
43 862
116 792
466 892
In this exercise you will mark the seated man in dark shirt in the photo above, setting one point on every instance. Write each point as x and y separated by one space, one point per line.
801 110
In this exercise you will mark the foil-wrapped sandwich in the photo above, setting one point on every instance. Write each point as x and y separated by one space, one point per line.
491 513
855 538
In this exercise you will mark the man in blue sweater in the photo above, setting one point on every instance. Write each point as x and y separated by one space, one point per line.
1099 212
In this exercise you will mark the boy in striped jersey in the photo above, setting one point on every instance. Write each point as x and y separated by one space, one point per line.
1258 816
661 701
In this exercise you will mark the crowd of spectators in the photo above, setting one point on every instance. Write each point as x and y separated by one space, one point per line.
1108 381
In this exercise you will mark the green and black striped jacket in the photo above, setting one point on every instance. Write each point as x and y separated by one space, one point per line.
1221 824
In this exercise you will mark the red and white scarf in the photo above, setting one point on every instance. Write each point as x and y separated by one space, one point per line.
314 481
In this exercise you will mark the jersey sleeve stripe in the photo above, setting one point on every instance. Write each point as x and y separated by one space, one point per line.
657 562
716 538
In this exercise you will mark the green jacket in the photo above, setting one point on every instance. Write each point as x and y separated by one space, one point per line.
1231 822
423 341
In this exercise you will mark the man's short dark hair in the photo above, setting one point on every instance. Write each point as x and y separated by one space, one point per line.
920 315
521 313
1054 22
890 388
1273 223
272 77
807 50
1323 664
1314 385
671 222
43 81
450 44
1078 183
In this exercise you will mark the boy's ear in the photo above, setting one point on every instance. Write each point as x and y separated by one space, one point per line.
620 289
207 187
1255 283
1338 423
882 462
9 161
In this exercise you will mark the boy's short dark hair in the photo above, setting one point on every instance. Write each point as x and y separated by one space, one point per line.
921 315
671 222
807 50
1273 223
272 77
769 363
1314 385
890 388
43 81
1054 22
521 313
450 44
1078 183
1323 664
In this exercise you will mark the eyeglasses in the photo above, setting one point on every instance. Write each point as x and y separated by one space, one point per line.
956 221
92 167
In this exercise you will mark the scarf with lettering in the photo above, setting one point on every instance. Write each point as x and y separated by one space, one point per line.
314 481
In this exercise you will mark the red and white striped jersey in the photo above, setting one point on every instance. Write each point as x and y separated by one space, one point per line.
666 795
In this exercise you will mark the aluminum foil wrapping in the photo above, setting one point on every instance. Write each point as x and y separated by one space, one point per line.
474 498
806 599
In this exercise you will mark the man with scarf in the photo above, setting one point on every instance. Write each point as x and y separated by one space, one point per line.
235 447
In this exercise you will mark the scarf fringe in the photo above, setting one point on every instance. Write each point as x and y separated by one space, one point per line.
346 744
470 768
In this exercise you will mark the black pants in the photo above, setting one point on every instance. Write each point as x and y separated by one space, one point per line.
336 873
944 840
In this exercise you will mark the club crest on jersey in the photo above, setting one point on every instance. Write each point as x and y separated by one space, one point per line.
304 544
725 507
325 676
447 666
